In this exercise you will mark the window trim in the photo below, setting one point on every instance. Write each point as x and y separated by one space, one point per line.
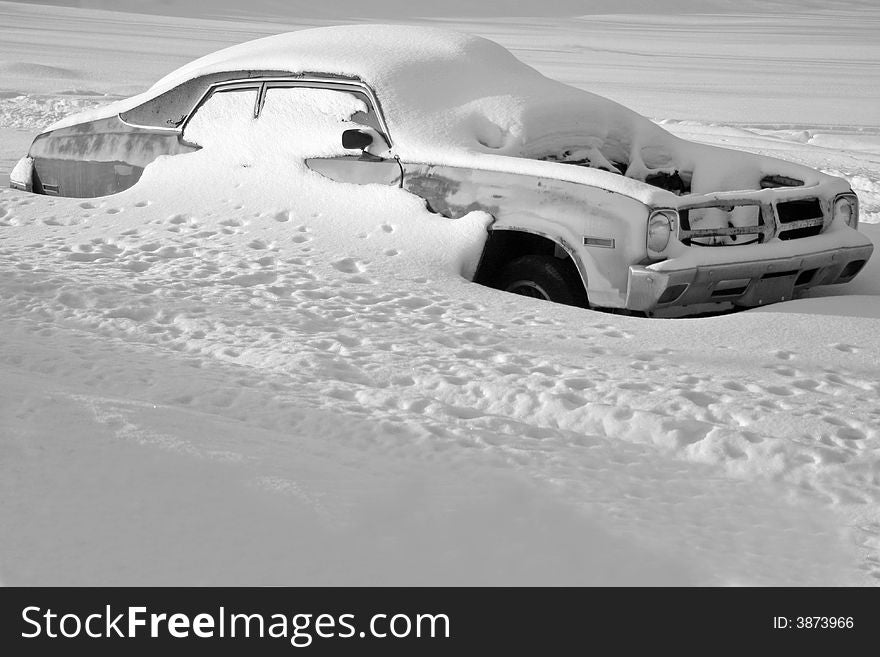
263 83
151 128
200 84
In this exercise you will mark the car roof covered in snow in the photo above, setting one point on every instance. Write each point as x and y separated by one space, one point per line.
436 86
450 97
433 84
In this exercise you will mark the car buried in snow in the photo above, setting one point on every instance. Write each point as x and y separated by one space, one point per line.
592 204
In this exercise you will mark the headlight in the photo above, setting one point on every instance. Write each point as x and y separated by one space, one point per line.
846 209
661 225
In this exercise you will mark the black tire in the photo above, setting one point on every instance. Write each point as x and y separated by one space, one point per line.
543 277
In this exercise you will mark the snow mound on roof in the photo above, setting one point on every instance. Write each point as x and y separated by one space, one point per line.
371 52
452 97
437 87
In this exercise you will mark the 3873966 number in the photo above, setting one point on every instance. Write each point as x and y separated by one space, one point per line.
824 622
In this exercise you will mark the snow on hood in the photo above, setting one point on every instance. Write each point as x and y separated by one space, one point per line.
449 96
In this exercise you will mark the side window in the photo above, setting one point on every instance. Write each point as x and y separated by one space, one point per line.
223 115
311 120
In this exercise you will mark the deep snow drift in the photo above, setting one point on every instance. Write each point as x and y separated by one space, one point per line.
229 382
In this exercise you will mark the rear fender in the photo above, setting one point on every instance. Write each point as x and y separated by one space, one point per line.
22 176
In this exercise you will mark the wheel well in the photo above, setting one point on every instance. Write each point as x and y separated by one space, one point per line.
503 246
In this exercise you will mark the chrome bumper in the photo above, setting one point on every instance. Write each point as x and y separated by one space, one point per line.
753 283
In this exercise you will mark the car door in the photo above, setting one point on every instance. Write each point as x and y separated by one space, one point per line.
315 116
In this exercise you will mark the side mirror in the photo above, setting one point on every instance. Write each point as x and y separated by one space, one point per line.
356 139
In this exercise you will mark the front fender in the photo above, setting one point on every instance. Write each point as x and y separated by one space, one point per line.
603 232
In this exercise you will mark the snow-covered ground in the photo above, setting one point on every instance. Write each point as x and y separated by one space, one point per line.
225 383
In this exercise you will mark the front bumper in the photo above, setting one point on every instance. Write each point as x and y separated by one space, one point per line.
752 283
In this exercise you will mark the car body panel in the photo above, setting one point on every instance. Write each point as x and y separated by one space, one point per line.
582 220
98 158
358 169
746 282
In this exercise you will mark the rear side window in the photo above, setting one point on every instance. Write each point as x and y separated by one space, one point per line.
170 109
225 113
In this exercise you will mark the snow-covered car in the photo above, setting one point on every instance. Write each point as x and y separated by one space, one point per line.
591 203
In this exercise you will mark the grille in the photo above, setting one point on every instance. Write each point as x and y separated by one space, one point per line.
734 225
799 218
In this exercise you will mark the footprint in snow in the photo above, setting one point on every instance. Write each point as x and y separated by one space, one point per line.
847 431
348 266
850 434
699 398
578 383
782 370
611 331
636 387
780 391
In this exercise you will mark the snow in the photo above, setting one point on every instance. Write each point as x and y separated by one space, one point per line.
446 95
316 118
22 172
222 381
453 98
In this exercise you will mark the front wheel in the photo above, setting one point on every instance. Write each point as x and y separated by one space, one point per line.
543 277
